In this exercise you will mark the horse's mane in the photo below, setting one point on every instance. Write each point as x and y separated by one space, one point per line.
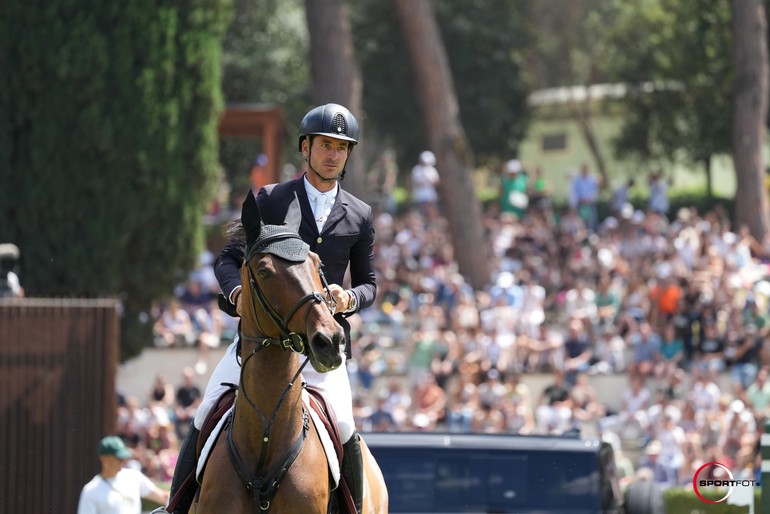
234 230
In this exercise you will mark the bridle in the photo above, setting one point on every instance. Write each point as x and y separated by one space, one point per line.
288 340
264 487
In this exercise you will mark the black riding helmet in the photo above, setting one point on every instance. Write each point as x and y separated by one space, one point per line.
331 120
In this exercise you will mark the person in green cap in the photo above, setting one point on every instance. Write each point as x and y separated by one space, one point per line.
513 189
117 489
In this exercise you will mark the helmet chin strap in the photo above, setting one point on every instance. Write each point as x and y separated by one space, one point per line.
324 179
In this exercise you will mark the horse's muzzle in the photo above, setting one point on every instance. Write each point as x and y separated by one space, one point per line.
326 350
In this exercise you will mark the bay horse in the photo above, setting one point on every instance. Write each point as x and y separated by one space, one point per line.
270 458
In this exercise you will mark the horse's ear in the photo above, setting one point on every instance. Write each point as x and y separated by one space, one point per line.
293 215
251 219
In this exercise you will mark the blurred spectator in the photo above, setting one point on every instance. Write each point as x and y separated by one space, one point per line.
586 191
743 352
161 446
634 422
425 177
704 393
671 352
587 409
646 346
194 297
491 390
577 351
664 296
518 405
398 402
621 196
488 419
607 302
370 364
160 395
132 422
259 176
758 392
671 438
381 419
658 201
462 403
539 193
117 489
553 413
429 406
710 350
9 280
542 351
209 324
651 460
581 303
446 361
174 327
513 189
188 397
422 350
609 352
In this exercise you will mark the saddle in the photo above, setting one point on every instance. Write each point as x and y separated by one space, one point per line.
317 402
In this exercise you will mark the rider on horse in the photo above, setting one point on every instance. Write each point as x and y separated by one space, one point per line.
339 228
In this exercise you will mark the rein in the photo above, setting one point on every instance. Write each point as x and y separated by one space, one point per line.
264 487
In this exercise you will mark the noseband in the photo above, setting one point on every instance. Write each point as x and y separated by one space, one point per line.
263 487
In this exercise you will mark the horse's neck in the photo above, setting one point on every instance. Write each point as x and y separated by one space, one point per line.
265 381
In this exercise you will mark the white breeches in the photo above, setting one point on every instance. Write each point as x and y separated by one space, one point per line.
335 386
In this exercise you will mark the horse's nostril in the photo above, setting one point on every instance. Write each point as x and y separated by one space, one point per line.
321 340
333 342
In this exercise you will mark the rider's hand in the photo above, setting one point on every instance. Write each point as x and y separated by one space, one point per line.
341 297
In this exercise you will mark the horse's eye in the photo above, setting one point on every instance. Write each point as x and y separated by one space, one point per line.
264 273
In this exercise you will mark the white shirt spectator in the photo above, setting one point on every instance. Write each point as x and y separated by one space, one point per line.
424 179
119 495
705 396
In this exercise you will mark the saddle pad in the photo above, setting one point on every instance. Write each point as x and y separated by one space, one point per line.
210 440
326 440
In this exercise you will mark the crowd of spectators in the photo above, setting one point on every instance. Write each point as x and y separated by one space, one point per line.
190 317
673 304
154 426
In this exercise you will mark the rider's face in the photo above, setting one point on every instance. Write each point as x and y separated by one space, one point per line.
327 155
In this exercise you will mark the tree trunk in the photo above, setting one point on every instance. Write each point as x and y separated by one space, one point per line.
335 74
581 113
446 138
749 125
709 178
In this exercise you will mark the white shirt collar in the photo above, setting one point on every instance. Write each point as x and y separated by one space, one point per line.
312 192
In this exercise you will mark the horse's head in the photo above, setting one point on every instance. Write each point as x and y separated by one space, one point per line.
284 299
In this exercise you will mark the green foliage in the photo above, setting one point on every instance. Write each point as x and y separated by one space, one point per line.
485 42
675 57
265 61
683 499
569 41
389 97
109 139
